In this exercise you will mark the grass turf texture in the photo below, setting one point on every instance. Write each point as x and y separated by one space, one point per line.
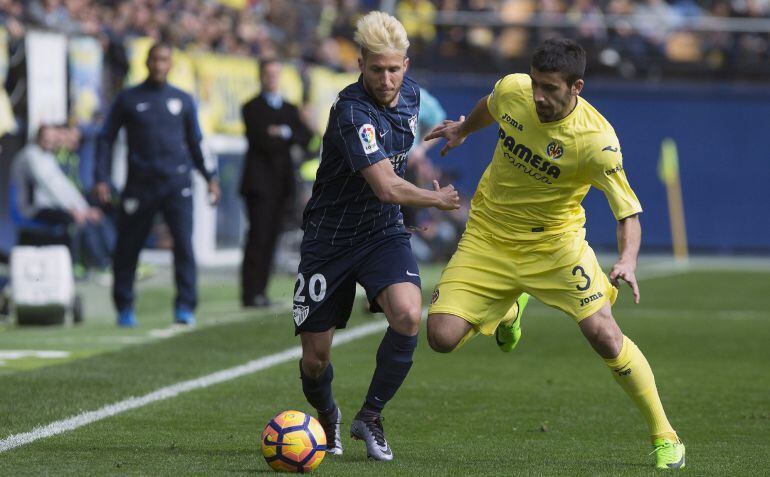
549 408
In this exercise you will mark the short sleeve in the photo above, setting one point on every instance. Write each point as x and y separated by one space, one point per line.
605 172
506 87
356 136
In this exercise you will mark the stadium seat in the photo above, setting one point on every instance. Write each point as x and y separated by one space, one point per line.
34 232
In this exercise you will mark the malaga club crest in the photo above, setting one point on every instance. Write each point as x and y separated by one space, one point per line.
174 106
554 150
413 125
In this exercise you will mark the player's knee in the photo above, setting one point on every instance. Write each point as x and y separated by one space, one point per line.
314 365
407 320
440 342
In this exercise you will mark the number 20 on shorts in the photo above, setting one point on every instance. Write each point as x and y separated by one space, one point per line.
316 288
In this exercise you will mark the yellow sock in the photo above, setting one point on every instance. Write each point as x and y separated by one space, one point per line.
632 371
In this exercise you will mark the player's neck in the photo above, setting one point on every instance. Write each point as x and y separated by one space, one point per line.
155 83
563 114
568 110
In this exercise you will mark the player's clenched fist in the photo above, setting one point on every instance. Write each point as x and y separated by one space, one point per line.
449 199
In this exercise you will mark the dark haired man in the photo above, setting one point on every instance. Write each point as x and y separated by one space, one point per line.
525 230
163 146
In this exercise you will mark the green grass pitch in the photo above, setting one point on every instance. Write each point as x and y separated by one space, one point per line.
549 408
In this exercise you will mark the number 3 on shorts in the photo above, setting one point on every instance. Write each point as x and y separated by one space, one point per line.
581 270
316 288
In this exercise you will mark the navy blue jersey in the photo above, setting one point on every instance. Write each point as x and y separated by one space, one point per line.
343 209
162 133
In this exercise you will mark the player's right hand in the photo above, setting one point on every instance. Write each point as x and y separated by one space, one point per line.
102 192
448 197
449 130
79 216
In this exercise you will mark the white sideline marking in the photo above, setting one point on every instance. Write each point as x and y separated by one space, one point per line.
169 331
32 353
58 427
173 390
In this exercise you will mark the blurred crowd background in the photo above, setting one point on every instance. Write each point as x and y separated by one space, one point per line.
63 61
647 38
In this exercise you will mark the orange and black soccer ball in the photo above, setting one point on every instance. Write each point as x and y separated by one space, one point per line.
293 442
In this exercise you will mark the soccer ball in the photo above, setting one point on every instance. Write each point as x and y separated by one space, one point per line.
293 442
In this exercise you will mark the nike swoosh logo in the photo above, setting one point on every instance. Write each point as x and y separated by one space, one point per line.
610 148
276 444
382 134
412 274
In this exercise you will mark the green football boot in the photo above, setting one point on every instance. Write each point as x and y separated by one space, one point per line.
508 332
668 454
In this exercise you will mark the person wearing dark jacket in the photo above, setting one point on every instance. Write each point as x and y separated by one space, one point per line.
273 126
163 146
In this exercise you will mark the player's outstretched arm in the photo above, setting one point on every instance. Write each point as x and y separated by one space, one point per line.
455 132
629 240
391 189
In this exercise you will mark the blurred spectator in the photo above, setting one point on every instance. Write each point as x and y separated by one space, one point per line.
49 205
627 37
418 16
52 14
273 127
434 235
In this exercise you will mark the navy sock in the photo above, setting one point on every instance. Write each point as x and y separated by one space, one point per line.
319 391
394 359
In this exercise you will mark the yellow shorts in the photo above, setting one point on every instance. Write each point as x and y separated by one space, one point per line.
486 275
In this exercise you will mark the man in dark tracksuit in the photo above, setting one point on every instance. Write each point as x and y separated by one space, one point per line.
163 145
273 126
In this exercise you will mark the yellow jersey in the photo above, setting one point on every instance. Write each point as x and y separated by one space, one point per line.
540 172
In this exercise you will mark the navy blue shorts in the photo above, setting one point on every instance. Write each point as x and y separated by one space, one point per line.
327 276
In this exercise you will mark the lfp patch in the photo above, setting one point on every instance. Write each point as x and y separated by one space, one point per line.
554 150
367 135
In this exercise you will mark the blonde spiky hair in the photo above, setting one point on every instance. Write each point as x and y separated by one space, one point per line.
380 33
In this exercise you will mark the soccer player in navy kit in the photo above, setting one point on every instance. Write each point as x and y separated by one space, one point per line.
354 232
163 146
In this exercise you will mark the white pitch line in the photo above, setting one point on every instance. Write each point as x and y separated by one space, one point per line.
173 390
254 366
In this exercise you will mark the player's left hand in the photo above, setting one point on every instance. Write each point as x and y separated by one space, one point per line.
214 192
626 272
449 130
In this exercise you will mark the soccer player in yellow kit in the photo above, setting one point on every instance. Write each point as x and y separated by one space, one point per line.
525 230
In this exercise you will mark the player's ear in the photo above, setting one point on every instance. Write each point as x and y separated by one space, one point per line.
406 63
577 87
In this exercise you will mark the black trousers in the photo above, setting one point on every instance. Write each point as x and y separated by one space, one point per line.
139 205
266 217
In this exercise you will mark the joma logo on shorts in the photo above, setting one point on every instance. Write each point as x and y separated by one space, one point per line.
594 297
525 154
